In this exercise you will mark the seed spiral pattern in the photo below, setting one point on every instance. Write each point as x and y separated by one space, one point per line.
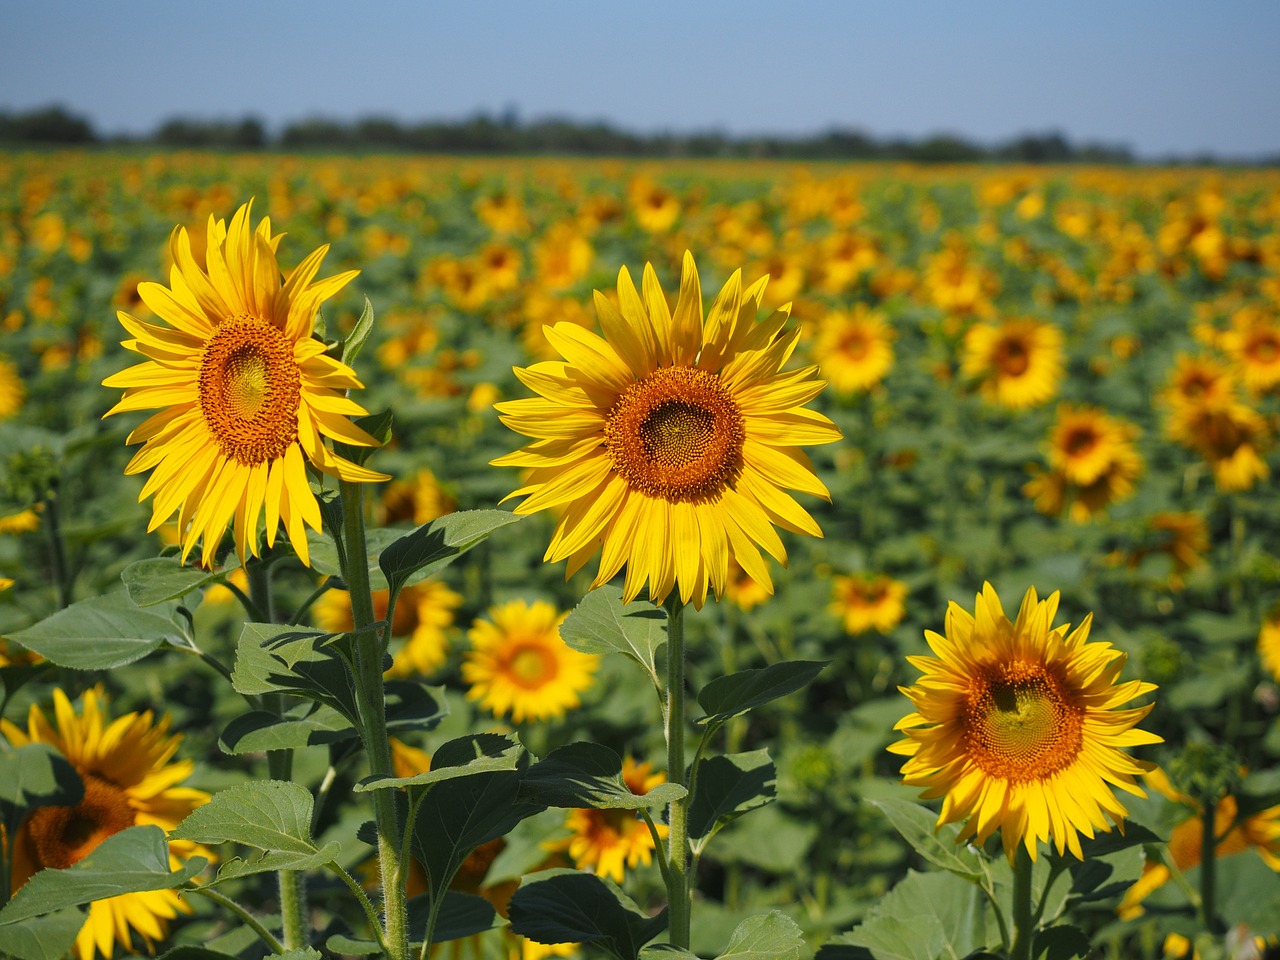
250 389
676 435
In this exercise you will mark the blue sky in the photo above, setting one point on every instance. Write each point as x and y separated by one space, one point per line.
1163 76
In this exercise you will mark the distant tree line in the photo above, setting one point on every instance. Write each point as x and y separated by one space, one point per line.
506 134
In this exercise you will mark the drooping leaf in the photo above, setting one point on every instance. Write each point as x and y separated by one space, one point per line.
269 815
46 937
273 658
306 725
36 775
726 788
458 815
925 916
773 936
462 757
588 774
1062 942
135 859
917 825
461 915
158 579
100 633
726 697
567 906
418 554
601 623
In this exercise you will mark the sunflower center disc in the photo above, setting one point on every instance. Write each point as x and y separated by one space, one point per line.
676 435
1021 726
250 388
1081 441
1265 349
531 666
64 836
1012 358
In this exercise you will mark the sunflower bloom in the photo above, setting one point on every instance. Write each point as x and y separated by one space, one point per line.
1019 362
130 779
668 444
12 390
1017 726
610 842
246 395
1259 832
866 603
519 665
856 349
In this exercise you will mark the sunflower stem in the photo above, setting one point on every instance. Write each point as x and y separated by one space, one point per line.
1208 875
1022 925
293 896
372 709
57 549
679 889
250 921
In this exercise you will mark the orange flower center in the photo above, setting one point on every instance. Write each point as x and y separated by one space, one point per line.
1080 441
250 389
1012 356
856 345
530 665
676 435
1264 348
1021 722
64 836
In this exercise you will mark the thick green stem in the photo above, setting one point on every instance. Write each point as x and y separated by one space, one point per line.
372 708
679 888
293 891
1208 873
1022 926
57 550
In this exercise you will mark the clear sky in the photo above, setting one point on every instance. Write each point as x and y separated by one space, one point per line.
1162 76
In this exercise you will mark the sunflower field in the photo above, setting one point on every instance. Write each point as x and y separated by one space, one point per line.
509 559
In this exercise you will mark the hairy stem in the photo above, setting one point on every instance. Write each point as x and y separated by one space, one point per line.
679 888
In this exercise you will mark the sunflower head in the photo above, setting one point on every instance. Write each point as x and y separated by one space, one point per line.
668 444
1018 363
1017 726
246 396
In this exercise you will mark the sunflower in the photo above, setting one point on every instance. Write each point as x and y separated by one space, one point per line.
1231 436
1182 537
1259 832
1085 442
1018 362
667 443
424 611
247 395
519 665
866 603
1198 380
12 390
655 207
856 349
1017 727
613 841
1253 342
130 778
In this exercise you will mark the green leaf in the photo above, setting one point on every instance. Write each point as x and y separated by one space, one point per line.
587 774
771 839
269 815
918 826
98 634
726 697
324 551
355 340
134 860
461 915
726 788
47 937
666 951
567 906
773 936
474 753
456 816
413 706
924 917
307 725
1061 943
1240 877
432 546
601 624
36 775
158 579
271 658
